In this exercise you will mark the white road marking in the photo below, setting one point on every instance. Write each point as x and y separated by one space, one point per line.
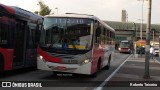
157 61
100 87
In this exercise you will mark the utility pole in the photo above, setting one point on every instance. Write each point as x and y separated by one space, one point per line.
141 30
153 31
153 38
159 44
135 39
147 48
57 9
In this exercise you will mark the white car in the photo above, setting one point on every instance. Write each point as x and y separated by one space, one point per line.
156 51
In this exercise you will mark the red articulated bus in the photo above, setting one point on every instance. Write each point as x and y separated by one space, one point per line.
19 36
75 43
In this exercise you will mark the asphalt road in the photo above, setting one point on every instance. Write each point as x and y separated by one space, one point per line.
157 58
68 81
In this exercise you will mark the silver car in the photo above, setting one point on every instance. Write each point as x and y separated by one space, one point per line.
156 51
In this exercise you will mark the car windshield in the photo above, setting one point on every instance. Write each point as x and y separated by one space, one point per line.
156 49
67 33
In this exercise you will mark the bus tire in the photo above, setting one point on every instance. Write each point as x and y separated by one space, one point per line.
1 65
99 64
98 68
93 75
54 73
108 65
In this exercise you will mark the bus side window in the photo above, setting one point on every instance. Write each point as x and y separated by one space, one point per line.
112 38
42 37
33 34
38 33
4 33
32 38
0 34
98 33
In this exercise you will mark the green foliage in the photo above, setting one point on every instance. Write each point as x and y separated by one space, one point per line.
44 9
36 12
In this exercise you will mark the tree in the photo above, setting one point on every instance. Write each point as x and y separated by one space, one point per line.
36 12
44 9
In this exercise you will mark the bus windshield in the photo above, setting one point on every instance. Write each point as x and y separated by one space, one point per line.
124 45
67 33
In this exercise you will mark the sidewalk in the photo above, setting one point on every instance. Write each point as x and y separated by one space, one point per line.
133 71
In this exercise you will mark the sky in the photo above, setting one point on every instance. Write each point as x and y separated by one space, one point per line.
109 10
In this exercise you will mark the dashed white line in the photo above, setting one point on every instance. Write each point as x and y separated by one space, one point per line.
100 87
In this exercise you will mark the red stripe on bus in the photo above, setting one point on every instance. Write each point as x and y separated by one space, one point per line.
9 9
48 57
98 52
8 58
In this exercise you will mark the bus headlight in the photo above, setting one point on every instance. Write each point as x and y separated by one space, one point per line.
86 61
119 48
41 57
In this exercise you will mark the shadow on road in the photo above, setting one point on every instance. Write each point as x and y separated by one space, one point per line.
18 72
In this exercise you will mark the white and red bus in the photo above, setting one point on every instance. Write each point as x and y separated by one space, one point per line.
19 35
75 43
125 46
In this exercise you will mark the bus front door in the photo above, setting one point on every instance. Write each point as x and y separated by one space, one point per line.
19 44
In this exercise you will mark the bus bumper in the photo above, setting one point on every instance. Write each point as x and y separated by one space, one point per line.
42 64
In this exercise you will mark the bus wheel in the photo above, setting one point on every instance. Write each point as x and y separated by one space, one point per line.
1 65
108 65
98 68
99 64
54 73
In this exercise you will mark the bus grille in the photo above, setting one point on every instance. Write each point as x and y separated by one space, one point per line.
62 55
66 59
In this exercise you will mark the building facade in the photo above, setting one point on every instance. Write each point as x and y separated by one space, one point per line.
124 16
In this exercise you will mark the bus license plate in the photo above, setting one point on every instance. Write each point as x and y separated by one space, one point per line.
61 68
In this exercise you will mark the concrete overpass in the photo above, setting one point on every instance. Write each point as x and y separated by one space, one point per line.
127 30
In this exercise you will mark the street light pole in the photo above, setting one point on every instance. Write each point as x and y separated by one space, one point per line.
153 34
135 36
141 27
153 38
57 9
147 48
135 31
159 44
141 20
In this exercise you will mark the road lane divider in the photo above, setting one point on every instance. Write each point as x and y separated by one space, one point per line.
100 87
157 61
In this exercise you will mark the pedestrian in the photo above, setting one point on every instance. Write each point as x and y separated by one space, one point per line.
151 52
